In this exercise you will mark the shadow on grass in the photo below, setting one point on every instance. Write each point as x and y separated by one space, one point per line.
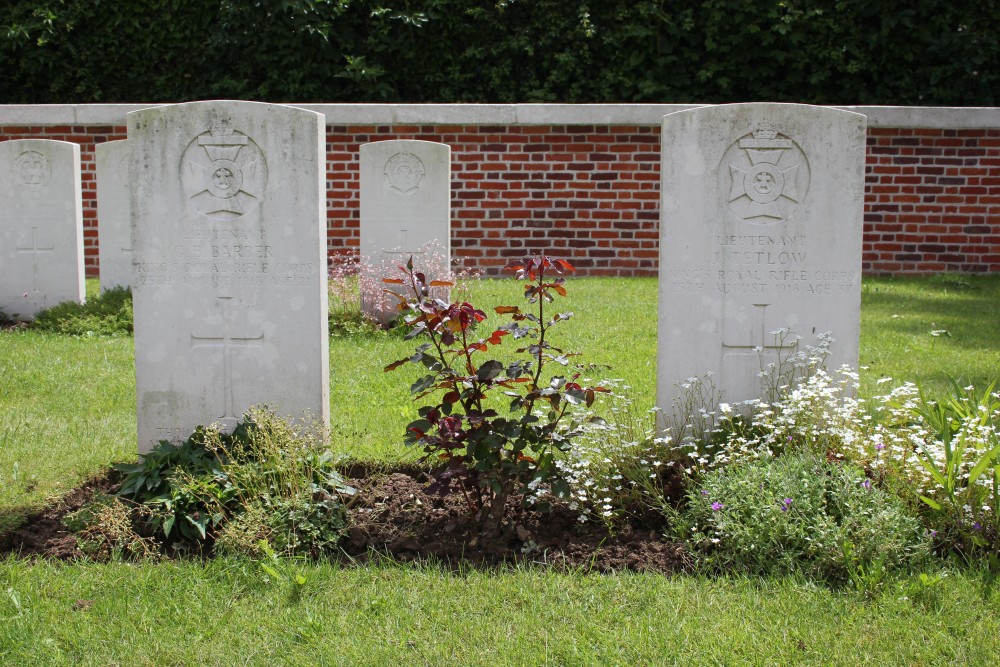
915 307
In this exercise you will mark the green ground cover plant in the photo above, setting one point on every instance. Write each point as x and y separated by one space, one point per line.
268 487
799 513
105 314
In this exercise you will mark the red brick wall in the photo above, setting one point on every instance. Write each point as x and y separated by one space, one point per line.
932 201
591 194
588 194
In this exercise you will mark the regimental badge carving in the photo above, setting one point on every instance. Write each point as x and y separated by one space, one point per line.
223 172
32 170
764 176
404 172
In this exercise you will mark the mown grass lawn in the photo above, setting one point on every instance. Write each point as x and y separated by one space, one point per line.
67 412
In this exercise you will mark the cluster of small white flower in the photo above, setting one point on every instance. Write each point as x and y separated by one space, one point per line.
615 464
612 459
887 435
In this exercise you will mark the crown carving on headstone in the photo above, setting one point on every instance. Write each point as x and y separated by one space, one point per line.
765 131
221 127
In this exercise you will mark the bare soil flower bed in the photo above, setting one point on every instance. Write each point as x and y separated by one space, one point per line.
397 515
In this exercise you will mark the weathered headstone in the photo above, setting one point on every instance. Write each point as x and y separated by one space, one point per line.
405 206
760 231
41 226
114 232
229 281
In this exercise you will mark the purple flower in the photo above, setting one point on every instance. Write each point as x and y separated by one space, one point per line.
933 533
867 484
717 506
879 446
785 504
704 493
976 526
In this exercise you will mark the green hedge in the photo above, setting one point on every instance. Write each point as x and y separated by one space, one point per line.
908 52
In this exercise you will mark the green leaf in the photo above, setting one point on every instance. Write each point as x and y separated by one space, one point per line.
198 523
270 571
982 465
168 525
926 461
934 505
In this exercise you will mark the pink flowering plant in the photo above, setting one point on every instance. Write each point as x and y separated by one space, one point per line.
492 450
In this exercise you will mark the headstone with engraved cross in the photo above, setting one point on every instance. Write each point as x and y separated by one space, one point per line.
760 243
405 206
229 276
114 232
41 226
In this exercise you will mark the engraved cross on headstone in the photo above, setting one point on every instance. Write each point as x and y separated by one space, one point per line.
747 349
226 341
34 249
402 246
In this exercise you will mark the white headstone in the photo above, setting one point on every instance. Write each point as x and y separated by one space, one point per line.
760 231
229 282
41 226
114 232
405 207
